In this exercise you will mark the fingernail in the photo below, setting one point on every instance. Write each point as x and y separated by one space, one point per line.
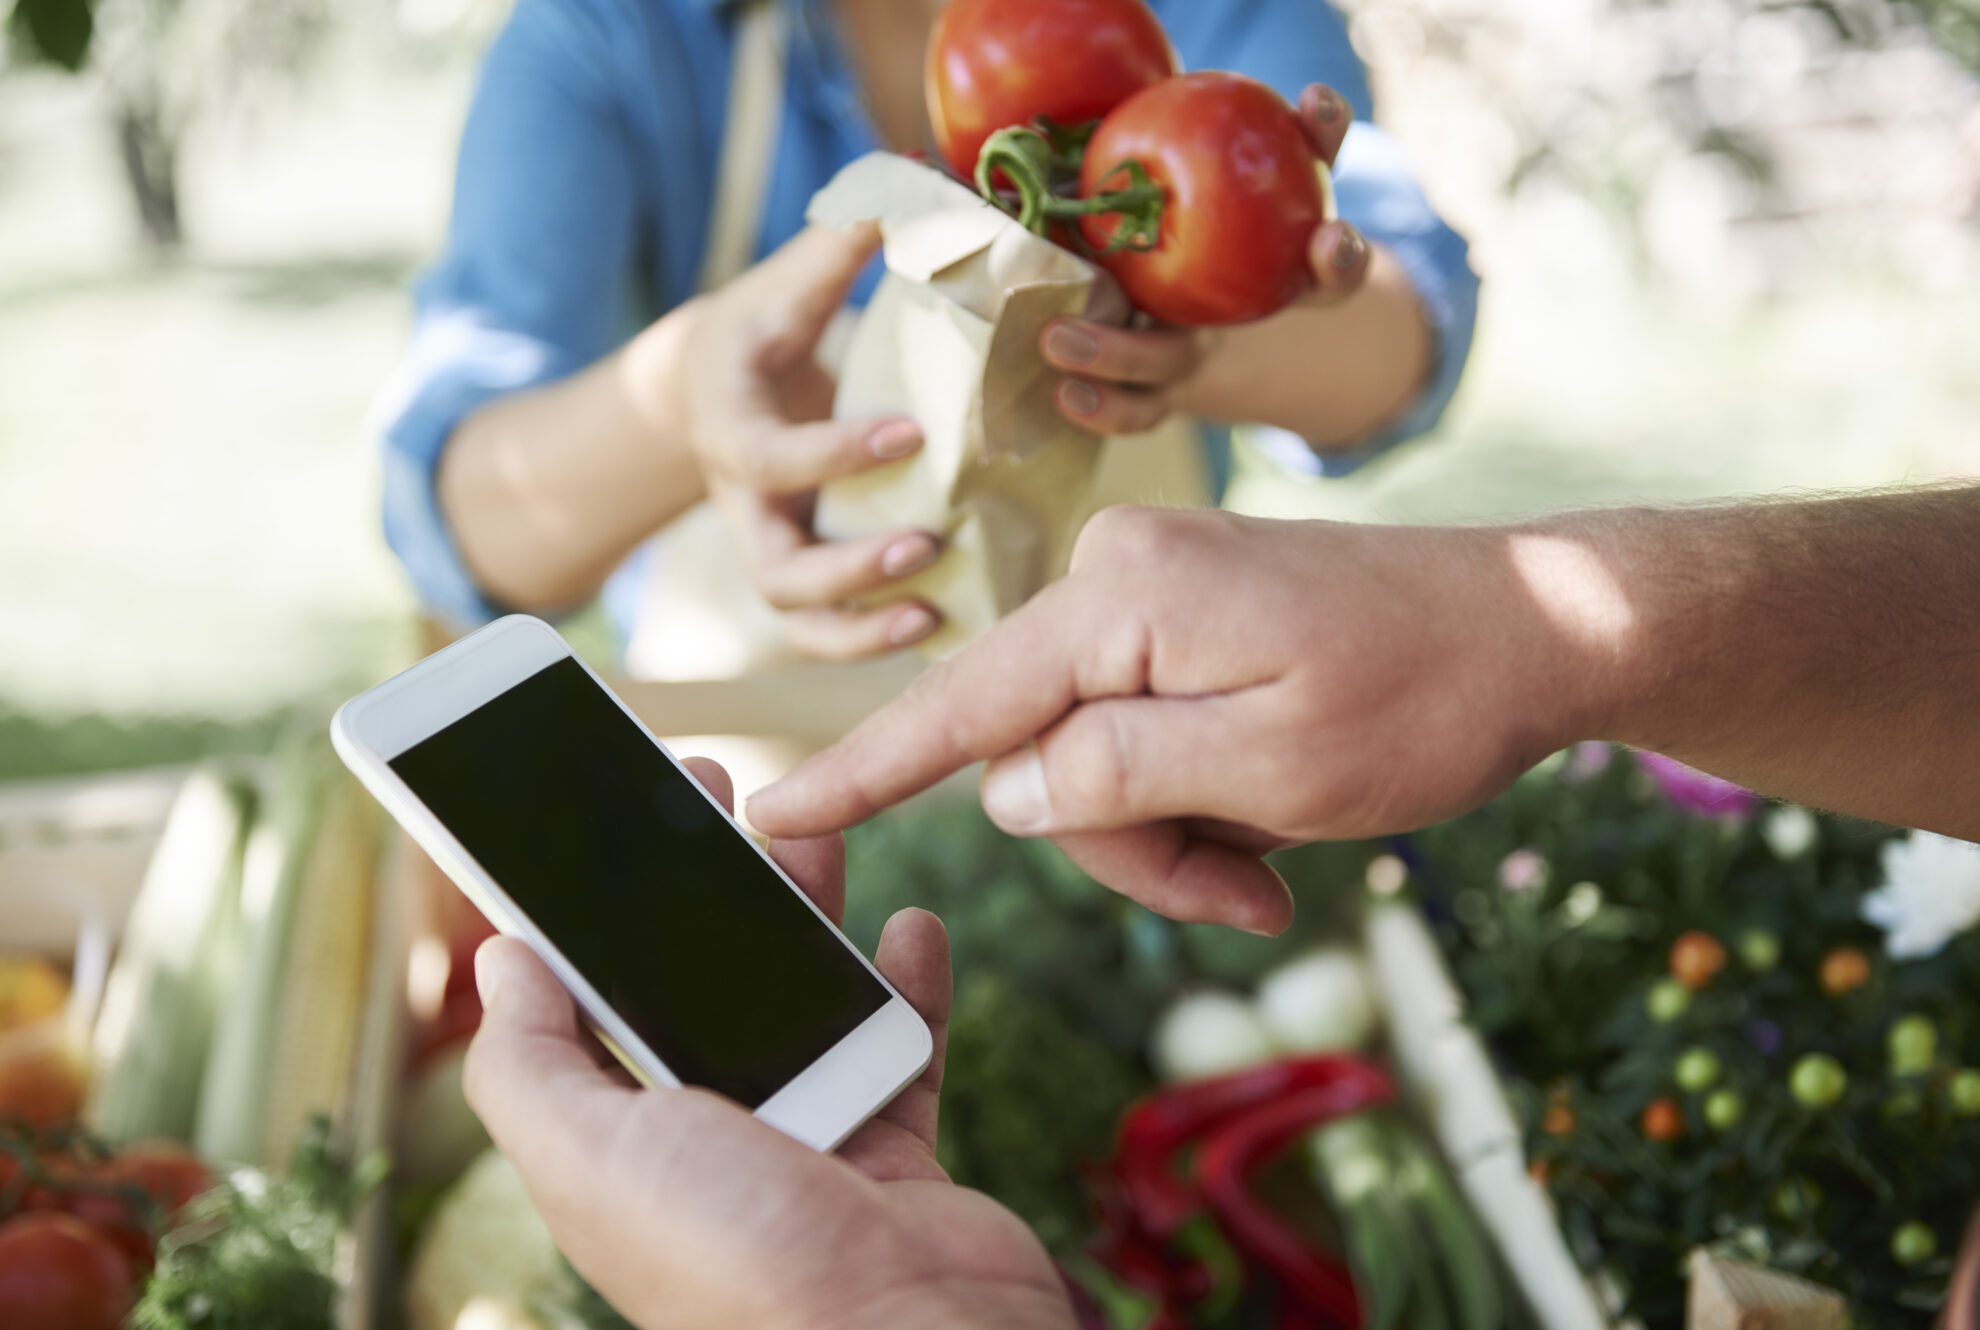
1078 396
911 627
896 438
1014 793
487 976
910 554
1326 106
1349 249
1069 344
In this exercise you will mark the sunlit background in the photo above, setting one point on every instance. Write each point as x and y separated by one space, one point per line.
1729 246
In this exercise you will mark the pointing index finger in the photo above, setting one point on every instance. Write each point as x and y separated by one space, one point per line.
1012 684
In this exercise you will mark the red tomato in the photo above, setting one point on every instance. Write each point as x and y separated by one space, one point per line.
170 1174
997 63
58 1273
1243 197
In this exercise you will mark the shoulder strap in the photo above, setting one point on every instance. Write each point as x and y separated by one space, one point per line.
749 140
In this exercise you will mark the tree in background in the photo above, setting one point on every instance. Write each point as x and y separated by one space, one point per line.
1671 83
1744 148
162 63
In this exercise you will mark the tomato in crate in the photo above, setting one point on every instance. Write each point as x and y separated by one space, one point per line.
58 1273
41 1075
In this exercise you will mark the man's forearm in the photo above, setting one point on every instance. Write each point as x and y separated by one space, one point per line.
1825 651
547 491
1332 375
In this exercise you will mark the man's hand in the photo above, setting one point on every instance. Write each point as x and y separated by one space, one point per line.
759 409
1202 687
1126 380
685 1211
1309 680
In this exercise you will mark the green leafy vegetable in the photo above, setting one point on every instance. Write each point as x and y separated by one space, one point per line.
258 1253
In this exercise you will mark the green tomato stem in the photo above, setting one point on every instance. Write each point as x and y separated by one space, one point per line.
1032 163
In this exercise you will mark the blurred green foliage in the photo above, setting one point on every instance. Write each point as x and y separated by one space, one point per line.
1956 25
1557 974
1058 982
34 747
57 31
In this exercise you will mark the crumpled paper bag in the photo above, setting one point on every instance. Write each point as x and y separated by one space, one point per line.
950 339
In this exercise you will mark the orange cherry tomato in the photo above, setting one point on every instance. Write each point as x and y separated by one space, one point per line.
1844 970
1696 959
1662 1120
41 1076
31 990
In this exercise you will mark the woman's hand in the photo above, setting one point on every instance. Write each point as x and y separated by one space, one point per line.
759 408
685 1211
1126 380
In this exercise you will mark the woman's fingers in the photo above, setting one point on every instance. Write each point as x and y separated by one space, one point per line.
1324 115
1152 357
794 570
773 456
1339 256
1110 408
1120 375
793 294
819 574
857 634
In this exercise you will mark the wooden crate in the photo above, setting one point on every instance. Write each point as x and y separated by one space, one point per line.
73 855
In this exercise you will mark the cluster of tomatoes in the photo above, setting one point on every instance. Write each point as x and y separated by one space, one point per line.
79 1225
1198 192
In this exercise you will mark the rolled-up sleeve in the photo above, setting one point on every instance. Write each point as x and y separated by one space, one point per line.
534 284
1379 194
1289 44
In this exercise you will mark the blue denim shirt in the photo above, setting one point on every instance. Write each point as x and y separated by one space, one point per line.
580 213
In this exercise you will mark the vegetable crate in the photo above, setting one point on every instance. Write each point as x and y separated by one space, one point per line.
234 941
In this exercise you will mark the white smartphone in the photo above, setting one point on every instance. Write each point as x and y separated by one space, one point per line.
571 827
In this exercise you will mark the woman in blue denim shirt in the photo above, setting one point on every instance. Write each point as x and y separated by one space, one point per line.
568 393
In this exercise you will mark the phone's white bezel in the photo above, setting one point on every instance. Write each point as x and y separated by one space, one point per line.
825 1102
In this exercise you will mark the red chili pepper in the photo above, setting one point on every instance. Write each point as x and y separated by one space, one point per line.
1240 1147
1145 1200
1158 1127
1292 1314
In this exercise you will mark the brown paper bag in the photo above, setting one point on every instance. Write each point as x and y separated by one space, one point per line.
951 339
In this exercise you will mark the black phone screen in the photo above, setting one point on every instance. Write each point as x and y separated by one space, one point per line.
637 879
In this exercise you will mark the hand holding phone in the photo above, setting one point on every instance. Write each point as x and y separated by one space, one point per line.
684 1212
572 828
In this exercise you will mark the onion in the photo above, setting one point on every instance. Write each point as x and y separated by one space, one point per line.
1208 1034
1320 1003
